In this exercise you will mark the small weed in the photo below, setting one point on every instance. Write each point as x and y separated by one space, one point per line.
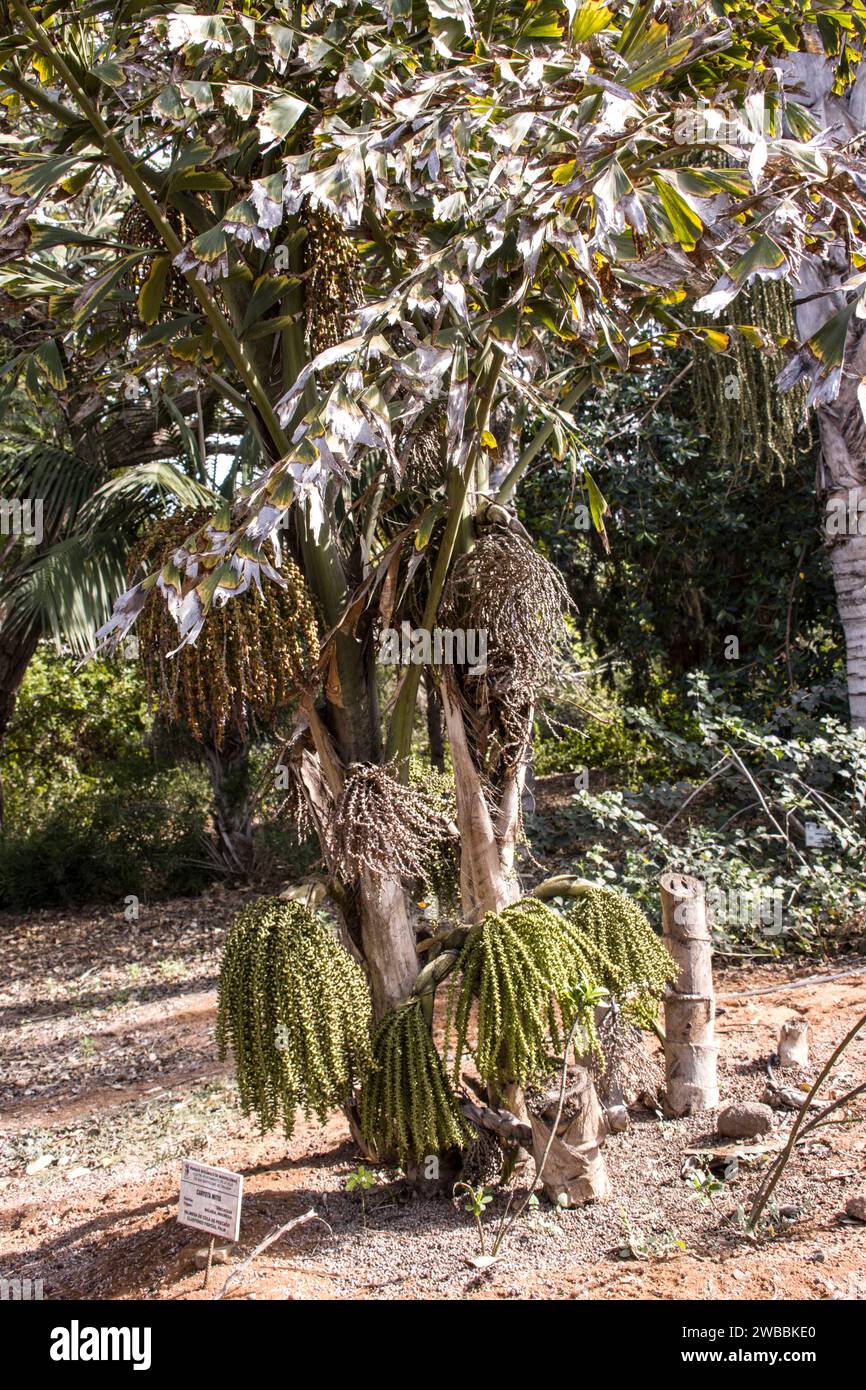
640 1245
475 1201
360 1181
170 969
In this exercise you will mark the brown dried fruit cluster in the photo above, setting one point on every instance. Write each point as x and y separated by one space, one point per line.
505 588
136 229
382 826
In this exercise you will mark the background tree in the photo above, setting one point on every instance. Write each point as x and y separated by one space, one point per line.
705 542
829 316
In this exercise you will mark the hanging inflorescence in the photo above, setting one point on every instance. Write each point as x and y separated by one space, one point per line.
382 826
295 810
440 870
407 1105
427 456
632 960
506 588
333 280
294 1008
751 423
136 229
253 657
624 1069
521 966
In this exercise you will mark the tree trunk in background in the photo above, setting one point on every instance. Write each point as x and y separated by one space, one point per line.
435 731
231 807
17 646
842 470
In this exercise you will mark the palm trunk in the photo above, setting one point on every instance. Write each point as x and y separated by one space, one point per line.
843 483
485 885
389 941
229 773
848 561
377 916
842 470
842 476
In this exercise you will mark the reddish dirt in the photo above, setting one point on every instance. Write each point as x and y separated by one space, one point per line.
110 1077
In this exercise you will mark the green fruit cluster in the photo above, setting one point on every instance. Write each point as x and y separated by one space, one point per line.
408 1107
294 1008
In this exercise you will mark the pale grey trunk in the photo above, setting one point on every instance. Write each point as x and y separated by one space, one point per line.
389 941
842 476
848 559
485 882
842 470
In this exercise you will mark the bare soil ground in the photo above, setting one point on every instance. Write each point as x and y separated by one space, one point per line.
109 1076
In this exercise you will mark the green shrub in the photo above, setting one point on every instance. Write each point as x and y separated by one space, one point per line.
91 816
737 822
101 846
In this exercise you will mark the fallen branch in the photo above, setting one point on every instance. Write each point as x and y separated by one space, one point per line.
263 1245
765 805
765 1191
796 984
717 772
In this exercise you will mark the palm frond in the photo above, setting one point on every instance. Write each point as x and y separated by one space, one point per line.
61 480
156 481
69 590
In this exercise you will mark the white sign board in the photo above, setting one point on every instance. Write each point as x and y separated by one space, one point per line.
817 836
210 1200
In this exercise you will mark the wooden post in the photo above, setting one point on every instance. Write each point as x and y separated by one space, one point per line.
209 1262
690 1004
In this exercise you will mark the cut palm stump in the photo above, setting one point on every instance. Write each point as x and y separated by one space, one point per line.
690 1005
574 1171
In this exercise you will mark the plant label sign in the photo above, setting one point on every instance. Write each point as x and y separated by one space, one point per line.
210 1200
818 836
